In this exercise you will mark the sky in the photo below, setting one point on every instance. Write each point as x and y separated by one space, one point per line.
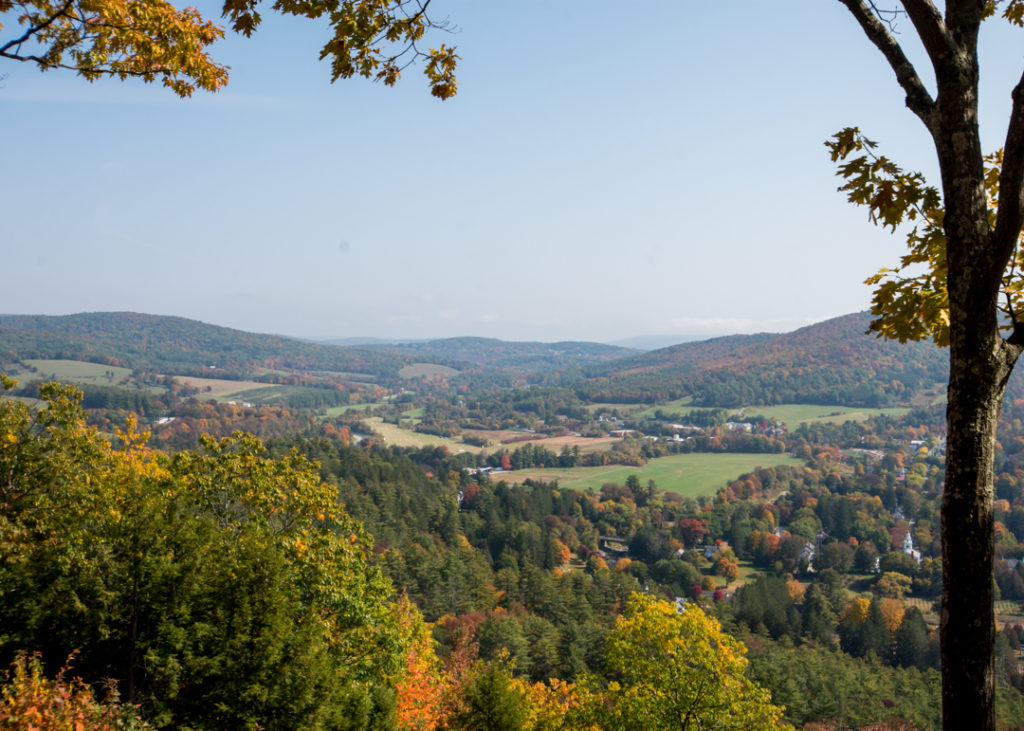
607 170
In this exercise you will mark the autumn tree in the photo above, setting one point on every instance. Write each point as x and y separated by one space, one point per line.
219 589
679 670
967 234
153 40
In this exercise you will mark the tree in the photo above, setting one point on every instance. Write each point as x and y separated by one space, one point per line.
679 670
969 297
152 39
218 588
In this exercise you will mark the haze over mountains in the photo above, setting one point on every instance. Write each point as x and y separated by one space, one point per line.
834 361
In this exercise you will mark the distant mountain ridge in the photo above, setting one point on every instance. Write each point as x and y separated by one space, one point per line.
160 342
521 355
830 362
167 343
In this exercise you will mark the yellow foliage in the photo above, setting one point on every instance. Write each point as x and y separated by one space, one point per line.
857 611
153 40
680 664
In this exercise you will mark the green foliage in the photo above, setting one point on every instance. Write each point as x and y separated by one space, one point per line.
220 588
492 702
817 684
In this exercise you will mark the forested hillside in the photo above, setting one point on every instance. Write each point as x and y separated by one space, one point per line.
517 356
161 343
832 362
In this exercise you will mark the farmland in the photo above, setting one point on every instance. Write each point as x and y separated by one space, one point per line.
220 389
426 370
689 475
77 371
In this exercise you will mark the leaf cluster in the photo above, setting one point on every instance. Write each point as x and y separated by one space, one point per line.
911 300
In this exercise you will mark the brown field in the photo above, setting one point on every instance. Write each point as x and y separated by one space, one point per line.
498 436
218 387
426 370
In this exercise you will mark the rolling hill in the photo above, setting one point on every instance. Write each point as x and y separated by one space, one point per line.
176 344
831 362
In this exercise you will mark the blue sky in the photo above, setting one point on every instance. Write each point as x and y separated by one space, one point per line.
607 170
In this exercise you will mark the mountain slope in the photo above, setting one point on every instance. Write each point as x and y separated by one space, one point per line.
162 343
521 356
832 362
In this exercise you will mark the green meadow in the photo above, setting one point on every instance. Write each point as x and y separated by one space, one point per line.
795 414
339 410
792 414
77 371
689 475
399 437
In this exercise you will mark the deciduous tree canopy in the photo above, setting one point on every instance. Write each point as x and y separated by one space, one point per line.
154 40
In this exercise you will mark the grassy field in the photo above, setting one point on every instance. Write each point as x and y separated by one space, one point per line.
679 406
339 410
689 475
795 414
419 370
406 438
77 371
792 414
498 437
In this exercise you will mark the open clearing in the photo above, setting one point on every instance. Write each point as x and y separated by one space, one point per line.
397 437
78 371
511 440
792 414
339 410
219 389
795 414
421 370
689 475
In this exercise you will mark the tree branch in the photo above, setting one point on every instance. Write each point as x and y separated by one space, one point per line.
919 101
31 31
931 29
1010 214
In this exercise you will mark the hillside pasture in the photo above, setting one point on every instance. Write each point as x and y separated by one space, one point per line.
689 475
795 414
398 437
334 411
426 370
222 389
511 439
76 371
791 414
679 406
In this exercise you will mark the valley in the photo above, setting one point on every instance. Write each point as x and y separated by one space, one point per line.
518 494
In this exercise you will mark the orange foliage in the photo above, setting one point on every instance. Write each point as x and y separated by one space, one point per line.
421 690
795 589
30 701
561 551
892 613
